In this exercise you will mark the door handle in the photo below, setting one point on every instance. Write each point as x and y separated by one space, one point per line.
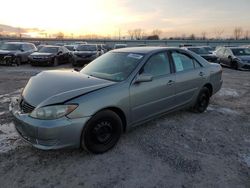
170 82
201 74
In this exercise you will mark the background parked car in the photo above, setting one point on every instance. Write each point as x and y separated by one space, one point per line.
40 46
71 48
16 52
85 53
234 57
51 55
209 49
203 53
117 46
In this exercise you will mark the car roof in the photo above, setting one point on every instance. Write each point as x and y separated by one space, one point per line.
142 50
53 46
237 47
18 43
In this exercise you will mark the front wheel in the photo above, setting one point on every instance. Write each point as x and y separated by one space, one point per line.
102 132
55 62
202 100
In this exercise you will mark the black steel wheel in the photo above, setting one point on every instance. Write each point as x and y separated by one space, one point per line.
202 100
102 132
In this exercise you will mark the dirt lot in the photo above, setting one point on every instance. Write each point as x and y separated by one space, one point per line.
182 149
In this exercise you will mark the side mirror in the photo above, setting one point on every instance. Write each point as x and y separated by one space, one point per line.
60 52
229 57
144 78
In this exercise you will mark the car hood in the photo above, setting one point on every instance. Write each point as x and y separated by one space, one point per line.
244 58
53 87
40 54
3 52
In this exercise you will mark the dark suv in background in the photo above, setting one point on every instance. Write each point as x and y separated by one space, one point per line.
16 52
85 53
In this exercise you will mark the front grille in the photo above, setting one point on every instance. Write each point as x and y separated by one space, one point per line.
26 107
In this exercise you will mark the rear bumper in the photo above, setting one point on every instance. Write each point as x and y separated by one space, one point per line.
49 134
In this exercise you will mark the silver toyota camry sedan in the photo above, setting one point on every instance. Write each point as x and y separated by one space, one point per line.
117 91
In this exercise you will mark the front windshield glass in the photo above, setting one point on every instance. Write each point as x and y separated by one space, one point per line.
70 48
241 51
113 66
86 48
11 46
199 50
49 49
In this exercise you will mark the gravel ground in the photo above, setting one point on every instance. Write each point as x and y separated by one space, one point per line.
181 149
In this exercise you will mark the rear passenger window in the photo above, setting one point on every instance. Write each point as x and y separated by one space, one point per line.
196 64
182 62
157 65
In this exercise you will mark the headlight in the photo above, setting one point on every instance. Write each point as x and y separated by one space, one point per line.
52 112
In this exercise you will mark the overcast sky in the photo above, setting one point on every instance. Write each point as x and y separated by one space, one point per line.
108 16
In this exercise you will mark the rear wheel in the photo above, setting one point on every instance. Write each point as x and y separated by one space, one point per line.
202 100
102 132
235 65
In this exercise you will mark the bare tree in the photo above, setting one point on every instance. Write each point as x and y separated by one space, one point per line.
218 33
203 35
238 31
156 32
131 34
247 33
138 34
60 35
192 37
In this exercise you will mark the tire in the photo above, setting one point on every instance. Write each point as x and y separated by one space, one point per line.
102 132
202 101
18 61
235 65
55 62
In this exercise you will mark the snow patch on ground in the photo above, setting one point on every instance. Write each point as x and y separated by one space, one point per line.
6 98
9 138
222 110
2 113
228 92
246 160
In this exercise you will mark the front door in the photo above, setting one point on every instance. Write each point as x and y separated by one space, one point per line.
157 96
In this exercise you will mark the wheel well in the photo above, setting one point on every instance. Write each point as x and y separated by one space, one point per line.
121 114
210 88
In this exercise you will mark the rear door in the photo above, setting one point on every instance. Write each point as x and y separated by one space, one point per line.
157 96
189 77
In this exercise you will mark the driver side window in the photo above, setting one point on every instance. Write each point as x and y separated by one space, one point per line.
157 65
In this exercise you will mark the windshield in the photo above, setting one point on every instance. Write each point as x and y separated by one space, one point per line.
70 48
86 48
199 50
113 66
241 51
49 49
10 46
